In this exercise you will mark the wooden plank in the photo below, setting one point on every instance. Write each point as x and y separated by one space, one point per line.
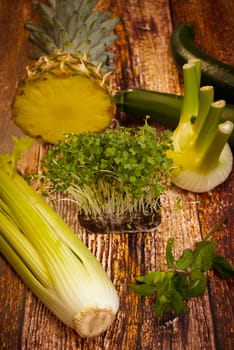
214 29
144 60
13 57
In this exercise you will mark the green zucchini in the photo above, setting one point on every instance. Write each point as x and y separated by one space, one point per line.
162 107
214 72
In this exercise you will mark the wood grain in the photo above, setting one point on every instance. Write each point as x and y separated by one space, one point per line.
143 60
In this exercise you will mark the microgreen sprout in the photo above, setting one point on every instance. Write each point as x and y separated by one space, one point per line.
114 175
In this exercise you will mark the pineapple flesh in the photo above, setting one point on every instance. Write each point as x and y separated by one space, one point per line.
65 90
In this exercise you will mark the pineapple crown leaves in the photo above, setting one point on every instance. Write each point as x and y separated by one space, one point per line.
72 26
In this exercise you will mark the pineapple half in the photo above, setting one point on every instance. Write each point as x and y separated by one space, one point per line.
65 90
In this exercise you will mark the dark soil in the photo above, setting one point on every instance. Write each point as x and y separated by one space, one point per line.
138 223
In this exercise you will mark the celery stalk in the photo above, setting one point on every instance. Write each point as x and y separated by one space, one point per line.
52 260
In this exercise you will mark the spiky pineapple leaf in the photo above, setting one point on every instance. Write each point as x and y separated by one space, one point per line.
75 26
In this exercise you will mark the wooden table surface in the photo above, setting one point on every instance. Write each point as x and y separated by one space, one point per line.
143 60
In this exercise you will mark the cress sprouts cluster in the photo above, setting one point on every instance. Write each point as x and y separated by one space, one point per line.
111 175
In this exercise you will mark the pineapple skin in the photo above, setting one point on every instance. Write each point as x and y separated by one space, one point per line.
62 94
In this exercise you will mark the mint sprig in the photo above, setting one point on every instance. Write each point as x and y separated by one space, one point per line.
184 278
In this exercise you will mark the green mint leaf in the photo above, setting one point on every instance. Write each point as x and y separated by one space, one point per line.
151 277
223 267
160 308
169 255
204 254
185 278
151 283
185 260
190 285
180 281
143 289
168 298
197 284
178 304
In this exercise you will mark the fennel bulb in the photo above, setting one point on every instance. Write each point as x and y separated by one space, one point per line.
202 157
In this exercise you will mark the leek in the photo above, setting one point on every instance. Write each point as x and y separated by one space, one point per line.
202 157
50 258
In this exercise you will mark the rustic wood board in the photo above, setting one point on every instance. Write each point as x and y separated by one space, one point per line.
143 60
